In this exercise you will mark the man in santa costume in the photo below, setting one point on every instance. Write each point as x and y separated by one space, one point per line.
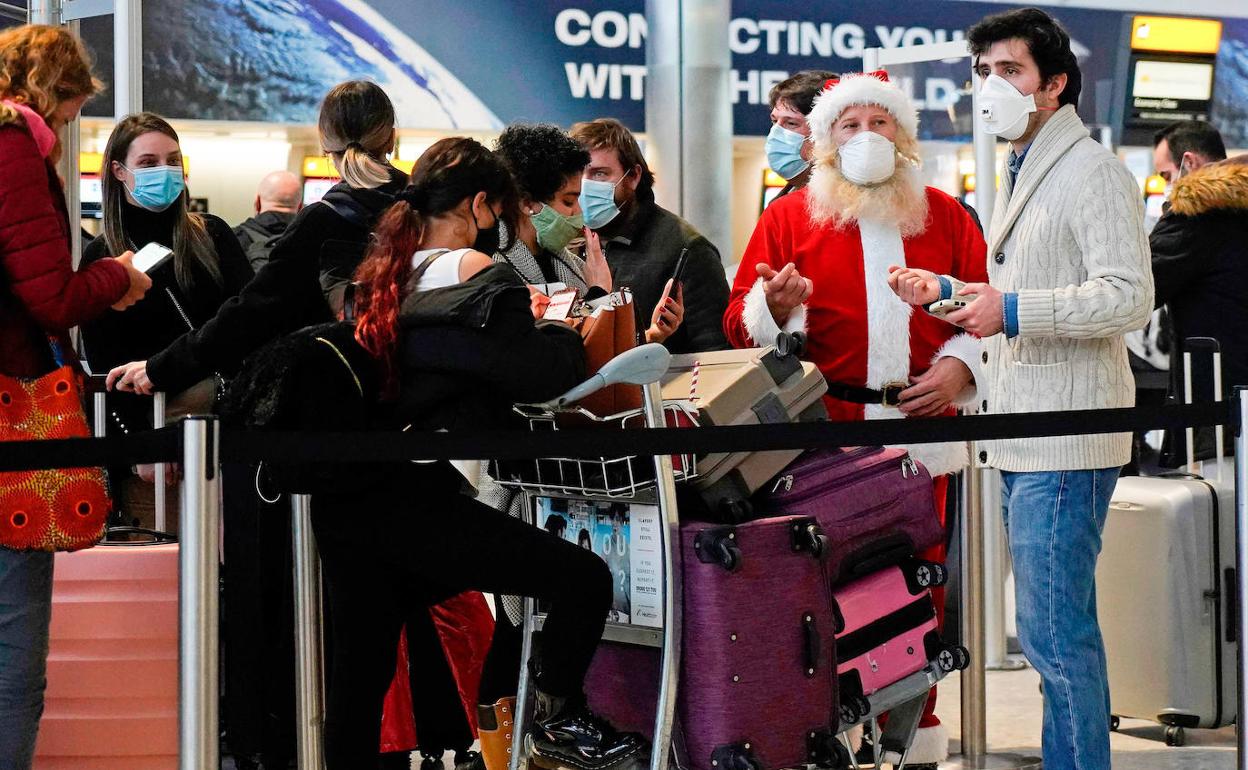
819 262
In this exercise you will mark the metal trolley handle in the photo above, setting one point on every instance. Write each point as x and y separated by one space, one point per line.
643 365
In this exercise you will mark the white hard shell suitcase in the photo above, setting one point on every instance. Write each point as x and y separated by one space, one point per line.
1166 594
1165 585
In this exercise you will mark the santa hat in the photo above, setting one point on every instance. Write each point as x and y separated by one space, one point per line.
858 89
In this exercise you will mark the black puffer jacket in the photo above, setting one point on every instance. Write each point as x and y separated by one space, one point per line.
286 293
468 352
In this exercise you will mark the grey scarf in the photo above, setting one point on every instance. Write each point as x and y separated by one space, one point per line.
569 268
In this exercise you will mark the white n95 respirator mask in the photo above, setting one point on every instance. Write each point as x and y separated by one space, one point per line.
1003 110
867 158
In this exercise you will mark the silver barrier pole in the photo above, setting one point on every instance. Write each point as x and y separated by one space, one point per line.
974 692
99 413
162 470
309 671
665 484
1241 568
197 593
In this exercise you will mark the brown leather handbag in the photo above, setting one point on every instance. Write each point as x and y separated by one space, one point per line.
608 331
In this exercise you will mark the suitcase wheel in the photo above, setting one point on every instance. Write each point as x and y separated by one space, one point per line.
953 658
1114 724
734 757
1175 736
929 574
854 708
827 752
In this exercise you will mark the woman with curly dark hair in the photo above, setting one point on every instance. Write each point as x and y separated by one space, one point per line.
547 166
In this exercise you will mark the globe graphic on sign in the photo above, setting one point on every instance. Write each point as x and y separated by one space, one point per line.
274 60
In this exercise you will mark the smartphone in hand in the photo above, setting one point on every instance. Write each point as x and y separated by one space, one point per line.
150 257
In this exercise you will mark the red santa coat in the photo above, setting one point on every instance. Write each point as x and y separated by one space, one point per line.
859 332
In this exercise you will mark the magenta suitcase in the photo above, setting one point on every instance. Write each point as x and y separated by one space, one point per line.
874 504
112 695
887 631
758 681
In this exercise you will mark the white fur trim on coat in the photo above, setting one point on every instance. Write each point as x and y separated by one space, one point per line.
759 323
854 90
968 349
888 339
931 745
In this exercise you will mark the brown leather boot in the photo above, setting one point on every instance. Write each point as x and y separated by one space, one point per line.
495 728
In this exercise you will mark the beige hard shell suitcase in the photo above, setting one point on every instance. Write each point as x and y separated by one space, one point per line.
753 386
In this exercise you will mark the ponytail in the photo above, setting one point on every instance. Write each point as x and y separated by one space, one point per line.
356 127
361 170
383 277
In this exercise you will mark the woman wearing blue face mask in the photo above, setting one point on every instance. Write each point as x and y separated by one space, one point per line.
145 201
547 166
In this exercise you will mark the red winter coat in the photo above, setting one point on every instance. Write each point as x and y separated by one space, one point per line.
40 293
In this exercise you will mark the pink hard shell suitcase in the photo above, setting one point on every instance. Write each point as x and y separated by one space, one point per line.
887 631
874 504
758 681
112 695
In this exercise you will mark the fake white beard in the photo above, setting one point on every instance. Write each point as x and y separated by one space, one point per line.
901 200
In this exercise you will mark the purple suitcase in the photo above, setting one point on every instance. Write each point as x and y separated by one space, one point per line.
875 505
758 677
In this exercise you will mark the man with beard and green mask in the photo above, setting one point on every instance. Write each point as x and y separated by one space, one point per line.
547 165
643 242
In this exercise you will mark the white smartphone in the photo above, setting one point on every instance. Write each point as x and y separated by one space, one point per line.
944 307
150 257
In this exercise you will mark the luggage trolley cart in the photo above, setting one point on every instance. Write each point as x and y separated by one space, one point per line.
641 485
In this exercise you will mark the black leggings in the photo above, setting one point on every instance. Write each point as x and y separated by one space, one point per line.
500 676
385 553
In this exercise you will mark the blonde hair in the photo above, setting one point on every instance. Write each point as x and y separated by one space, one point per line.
900 200
357 130
41 67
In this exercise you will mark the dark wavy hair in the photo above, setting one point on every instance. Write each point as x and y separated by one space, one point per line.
541 158
800 89
1047 41
449 172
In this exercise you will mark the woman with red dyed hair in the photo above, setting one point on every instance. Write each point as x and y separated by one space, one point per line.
456 344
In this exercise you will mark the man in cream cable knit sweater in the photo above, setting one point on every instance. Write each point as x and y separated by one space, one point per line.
1069 275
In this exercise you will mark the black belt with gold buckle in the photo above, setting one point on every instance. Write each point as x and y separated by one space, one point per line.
889 395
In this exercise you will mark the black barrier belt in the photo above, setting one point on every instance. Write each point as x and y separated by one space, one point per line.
164 445
297 448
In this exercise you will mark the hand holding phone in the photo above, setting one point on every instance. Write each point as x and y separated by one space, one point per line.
944 307
150 257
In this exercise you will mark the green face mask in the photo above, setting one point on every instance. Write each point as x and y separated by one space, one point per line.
554 230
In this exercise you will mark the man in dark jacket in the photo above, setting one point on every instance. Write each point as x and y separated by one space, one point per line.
277 201
1200 247
791 101
643 242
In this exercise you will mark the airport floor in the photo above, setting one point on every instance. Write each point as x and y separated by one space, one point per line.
1014 708
1014 704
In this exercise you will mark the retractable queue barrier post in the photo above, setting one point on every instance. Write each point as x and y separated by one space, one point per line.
162 470
669 672
1241 565
974 686
309 653
198 726
974 693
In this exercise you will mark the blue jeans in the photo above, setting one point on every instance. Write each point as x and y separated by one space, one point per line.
1054 522
25 612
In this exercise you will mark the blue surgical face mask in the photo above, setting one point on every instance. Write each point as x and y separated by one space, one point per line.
598 202
784 152
156 188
